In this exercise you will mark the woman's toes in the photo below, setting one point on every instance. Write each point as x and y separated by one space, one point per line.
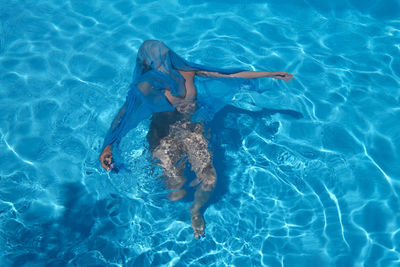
198 225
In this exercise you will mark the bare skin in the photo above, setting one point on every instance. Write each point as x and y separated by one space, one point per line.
190 92
207 181
106 158
206 176
250 75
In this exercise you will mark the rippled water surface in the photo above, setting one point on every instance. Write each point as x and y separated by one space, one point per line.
308 176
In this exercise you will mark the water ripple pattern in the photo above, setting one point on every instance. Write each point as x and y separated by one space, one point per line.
308 175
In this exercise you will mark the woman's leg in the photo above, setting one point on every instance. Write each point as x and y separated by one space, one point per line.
171 158
168 152
196 146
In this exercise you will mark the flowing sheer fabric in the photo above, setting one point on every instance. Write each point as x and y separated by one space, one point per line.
156 70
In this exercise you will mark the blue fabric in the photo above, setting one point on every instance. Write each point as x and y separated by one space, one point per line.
155 71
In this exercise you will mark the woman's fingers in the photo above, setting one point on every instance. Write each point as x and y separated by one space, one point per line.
104 164
109 162
288 78
284 76
106 161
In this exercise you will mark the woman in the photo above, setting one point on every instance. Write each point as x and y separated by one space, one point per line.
163 87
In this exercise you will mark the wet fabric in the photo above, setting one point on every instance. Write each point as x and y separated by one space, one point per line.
157 70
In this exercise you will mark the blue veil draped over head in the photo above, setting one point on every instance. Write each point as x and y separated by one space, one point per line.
156 70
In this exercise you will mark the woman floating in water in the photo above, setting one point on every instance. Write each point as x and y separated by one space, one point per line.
163 88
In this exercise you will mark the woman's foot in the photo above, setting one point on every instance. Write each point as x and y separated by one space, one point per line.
198 225
177 195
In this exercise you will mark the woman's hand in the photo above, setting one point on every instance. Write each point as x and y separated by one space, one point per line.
173 100
106 159
282 75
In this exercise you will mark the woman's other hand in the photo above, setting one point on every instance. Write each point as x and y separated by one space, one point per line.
106 159
282 75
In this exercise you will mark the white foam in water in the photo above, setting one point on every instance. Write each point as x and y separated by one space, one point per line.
307 176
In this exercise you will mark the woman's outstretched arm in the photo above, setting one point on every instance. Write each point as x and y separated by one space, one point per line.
105 158
131 113
249 75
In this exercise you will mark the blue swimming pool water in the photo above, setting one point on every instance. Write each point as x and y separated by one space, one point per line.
310 177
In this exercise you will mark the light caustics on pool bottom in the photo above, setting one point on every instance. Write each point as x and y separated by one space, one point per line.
316 189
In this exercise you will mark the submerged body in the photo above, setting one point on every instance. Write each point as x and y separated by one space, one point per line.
175 139
164 87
